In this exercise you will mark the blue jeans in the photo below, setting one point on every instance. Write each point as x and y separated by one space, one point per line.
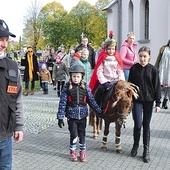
126 73
6 154
45 87
142 113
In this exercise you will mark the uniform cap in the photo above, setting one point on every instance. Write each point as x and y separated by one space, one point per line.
4 30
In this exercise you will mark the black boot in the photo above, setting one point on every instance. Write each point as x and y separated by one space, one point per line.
136 137
58 93
46 91
146 143
98 95
164 104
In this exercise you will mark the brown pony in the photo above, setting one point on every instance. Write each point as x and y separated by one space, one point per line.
118 108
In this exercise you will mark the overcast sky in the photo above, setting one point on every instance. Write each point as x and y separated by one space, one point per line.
13 12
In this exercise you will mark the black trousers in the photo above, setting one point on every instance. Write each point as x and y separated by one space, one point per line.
99 94
60 85
77 128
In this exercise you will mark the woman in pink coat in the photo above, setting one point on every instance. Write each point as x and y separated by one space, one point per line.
128 54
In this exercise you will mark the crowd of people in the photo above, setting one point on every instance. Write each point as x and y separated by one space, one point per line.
111 66
58 63
81 78
100 68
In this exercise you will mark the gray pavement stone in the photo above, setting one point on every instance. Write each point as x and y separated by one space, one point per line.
46 146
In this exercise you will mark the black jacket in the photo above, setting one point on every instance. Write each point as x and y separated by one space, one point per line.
9 88
24 62
147 79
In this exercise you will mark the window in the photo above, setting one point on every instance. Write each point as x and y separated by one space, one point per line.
144 21
130 17
147 19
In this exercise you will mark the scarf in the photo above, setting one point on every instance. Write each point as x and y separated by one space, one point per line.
30 66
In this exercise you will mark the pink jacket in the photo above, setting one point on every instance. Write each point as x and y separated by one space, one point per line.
128 55
110 71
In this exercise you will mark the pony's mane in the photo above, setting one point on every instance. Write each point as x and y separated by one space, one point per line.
124 85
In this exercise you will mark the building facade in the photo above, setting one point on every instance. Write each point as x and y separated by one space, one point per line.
148 19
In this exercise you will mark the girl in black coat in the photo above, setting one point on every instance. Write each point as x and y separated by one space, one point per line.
146 77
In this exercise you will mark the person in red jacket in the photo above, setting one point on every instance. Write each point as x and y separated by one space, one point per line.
108 69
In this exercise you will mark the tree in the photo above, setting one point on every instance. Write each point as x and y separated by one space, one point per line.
53 23
85 18
32 25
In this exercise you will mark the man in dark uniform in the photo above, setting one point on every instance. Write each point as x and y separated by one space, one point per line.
11 112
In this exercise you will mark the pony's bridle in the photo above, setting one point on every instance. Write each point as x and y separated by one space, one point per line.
119 91
123 116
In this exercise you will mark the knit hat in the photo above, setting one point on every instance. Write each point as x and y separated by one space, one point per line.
44 67
58 57
76 55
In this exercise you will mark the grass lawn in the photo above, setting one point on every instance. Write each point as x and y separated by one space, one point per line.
37 86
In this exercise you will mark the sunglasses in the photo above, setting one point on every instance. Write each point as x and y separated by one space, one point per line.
30 51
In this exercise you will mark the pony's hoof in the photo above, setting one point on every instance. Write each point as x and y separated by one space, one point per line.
119 151
95 136
104 148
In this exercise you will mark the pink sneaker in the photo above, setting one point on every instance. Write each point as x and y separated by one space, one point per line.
83 156
73 156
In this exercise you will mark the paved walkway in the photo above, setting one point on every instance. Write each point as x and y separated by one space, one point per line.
46 146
